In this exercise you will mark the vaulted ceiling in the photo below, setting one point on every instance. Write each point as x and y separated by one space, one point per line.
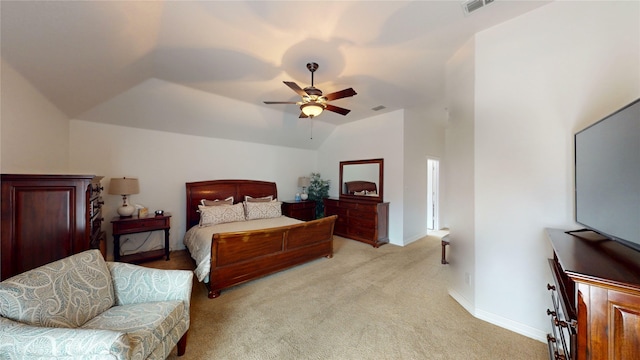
88 56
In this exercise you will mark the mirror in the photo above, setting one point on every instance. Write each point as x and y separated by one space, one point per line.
362 179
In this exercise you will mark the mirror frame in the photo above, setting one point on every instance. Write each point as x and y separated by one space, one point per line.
380 197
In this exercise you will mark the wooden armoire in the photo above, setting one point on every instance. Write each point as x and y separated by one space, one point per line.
48 217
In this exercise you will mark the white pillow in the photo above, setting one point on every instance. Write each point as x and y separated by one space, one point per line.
263 210
212 215
248 198
217 202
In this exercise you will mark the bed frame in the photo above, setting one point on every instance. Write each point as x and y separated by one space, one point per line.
238 257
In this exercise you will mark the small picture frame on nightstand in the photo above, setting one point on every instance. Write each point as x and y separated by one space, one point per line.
143 212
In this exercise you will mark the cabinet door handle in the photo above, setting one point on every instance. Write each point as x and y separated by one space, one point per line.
551 313
551 287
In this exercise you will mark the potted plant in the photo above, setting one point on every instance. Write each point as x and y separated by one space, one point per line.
318 190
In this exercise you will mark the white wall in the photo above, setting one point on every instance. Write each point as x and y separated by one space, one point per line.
163 162
35 133
538 79
458 202
424 135
376 137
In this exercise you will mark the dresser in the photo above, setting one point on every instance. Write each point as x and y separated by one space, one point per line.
48 217
365 221
304 210
595 298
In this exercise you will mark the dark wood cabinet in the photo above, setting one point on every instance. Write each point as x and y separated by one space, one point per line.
595 311
364 221
304 210
46 218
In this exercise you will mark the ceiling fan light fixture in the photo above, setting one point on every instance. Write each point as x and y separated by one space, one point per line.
312 109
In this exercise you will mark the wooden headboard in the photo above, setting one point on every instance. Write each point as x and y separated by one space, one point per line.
222 189
353 186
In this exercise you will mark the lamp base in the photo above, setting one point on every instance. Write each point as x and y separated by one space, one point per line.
304 196
126 211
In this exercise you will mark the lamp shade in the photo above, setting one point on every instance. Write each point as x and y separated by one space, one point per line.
123 186
312 109
304 181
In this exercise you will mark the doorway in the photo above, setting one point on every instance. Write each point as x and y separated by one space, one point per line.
433 186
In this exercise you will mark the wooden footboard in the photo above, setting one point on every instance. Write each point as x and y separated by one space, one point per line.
238 257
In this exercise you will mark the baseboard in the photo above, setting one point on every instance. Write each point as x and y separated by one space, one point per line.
511 325
462 301
500 321
413 239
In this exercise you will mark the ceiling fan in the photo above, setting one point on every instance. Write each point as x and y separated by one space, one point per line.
313 103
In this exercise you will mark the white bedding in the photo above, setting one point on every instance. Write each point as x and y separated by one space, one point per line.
198 239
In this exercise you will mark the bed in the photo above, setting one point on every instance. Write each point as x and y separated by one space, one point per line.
229 257
359 187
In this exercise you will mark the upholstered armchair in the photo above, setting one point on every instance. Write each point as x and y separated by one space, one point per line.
82 307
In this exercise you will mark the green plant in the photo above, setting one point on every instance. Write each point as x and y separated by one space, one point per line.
318 190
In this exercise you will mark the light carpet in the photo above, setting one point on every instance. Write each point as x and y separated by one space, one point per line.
364 303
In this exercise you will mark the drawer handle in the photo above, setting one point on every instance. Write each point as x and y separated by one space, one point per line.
551 338
561 323
559 356
551 287
551 313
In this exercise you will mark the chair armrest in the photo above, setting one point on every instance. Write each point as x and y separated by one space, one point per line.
22 341
135 284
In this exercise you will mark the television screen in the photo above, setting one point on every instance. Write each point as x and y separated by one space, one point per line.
607 176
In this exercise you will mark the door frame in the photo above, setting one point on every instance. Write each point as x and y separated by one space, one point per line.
433 193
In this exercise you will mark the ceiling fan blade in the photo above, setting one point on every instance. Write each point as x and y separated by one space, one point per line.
336 109
302 115
341 94
295 88
280 102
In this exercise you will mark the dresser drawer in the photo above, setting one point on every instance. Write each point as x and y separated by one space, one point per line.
340 229
368 208
362 232
299 205
363 222
331 210
139 226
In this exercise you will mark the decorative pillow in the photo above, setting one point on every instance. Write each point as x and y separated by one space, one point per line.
248 198
217 202
211 215
263 210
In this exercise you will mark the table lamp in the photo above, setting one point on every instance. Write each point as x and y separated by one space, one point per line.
124 186
304 183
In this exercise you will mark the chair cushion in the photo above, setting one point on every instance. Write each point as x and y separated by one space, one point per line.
65 293
146 324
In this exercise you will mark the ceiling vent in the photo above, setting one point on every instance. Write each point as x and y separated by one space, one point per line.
472 5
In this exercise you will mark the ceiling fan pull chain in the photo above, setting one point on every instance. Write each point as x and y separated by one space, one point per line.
311 125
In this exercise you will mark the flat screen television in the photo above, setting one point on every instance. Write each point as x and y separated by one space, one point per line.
607 176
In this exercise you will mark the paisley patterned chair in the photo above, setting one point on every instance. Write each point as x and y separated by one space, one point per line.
83 307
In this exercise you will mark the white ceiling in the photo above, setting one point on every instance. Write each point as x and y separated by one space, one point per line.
82 54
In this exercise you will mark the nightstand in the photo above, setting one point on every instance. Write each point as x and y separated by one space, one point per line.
133 225
304 210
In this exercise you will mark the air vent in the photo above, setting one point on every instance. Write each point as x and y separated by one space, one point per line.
378 108
470 6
